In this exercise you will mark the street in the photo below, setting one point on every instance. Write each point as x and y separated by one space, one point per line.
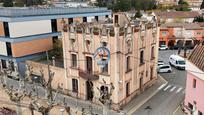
170 95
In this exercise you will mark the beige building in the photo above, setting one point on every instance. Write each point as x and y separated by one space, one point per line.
133 47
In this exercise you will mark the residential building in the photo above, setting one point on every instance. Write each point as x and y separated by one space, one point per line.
176 16
194 104
70 4
174 33
167 2
26 33
194 3
133 47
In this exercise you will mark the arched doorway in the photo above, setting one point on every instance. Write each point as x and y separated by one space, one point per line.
141 83
127 89
89 90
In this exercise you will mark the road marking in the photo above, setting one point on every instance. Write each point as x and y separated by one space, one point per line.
179 90
167 87
162 86
176 110
183 91
172 89
163 79
131 111
142 103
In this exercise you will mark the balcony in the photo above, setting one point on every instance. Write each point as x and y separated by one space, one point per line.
89 75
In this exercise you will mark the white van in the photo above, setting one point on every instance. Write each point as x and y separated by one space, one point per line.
177 61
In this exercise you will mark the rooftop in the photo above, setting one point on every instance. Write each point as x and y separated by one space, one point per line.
34 11
188 26
177 14
201 24
197 56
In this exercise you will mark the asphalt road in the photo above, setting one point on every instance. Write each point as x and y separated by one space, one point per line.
170 95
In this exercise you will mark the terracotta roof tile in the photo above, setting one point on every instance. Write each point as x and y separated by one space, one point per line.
197 56
187 26
201 24
177 14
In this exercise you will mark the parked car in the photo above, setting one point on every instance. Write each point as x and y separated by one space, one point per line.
177 61
163 47
160 62
164 69
175 47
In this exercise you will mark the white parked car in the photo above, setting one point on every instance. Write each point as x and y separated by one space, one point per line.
160 63
163 47
177 61
164 69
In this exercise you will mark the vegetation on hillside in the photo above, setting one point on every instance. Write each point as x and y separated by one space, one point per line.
125 5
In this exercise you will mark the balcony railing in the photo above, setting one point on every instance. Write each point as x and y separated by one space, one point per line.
89 75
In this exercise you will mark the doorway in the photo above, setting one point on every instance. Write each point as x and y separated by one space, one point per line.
89 90
141 84
127 89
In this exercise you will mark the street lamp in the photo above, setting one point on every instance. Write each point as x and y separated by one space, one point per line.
36 85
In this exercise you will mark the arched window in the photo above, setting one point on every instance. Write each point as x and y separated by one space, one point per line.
74 60
88 44
103 44
152 52
127 89
141 57
75 85
129 45
128 68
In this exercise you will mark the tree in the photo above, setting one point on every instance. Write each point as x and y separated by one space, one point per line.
180 2
57 51
198 19
8 3
28 2
144 4
202 5
138 14
182 6
122 5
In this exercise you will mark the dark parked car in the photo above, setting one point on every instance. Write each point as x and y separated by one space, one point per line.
175 47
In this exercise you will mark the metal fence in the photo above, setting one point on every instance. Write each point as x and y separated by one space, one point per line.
26 11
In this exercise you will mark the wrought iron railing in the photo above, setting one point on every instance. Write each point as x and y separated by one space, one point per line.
88 75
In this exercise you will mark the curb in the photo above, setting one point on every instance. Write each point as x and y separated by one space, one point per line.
131 111
162 78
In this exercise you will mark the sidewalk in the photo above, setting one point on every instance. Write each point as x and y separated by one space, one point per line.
142 98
